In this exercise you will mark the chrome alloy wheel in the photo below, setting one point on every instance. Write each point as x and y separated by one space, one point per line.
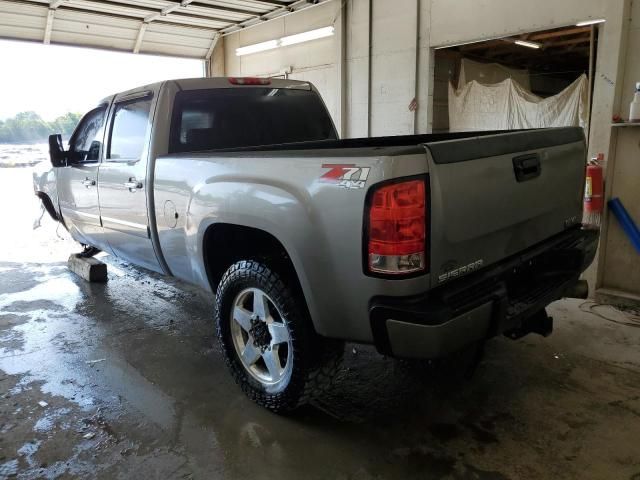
261 337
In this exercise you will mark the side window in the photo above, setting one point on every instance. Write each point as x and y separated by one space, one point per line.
129 129
86 141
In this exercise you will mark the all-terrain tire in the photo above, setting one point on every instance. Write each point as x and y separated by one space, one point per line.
315 358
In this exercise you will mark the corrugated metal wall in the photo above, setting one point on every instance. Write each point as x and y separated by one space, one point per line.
22 21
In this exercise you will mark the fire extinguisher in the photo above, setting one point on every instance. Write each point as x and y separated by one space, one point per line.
594 186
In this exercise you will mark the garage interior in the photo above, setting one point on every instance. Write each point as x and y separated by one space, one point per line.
549 63
95 383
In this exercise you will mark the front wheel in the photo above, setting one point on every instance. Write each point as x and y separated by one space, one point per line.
268 340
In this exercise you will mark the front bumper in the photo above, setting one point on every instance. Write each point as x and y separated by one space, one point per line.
502 298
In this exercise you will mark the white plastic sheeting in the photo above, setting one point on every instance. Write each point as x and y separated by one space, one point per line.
490 73
507 106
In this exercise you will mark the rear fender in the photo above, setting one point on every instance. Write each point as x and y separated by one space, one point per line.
285 215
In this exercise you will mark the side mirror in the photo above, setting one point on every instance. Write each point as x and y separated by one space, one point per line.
56 151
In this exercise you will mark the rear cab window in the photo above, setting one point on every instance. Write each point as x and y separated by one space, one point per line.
244 117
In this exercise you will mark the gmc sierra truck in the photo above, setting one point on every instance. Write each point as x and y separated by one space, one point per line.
421 245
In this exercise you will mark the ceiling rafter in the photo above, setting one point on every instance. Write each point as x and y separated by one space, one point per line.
560 33
154 16
212 47
201 9
283 9
49 26
140 36
220 8
572 41
53 6
166 10
480 45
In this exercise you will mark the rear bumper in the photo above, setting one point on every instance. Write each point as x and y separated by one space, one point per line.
502 298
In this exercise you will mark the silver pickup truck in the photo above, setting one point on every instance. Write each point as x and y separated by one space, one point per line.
421 245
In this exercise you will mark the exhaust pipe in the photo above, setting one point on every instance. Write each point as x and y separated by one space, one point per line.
579 290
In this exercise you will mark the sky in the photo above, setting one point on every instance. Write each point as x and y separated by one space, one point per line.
52 80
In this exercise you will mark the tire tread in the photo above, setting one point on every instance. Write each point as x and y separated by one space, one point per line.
317 359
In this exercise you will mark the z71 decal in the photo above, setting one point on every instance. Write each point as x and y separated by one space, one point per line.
346 176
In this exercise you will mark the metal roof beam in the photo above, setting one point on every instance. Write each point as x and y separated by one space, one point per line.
178 10
178 18
166 10
142 12
219 8
49 27
560 33
562 43
53 5
138 44
214 42
274 3
284 9
191 16
110 4
128 16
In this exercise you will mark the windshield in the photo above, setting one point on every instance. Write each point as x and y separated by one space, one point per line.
244 117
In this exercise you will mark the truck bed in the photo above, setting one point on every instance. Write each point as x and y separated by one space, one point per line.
499 141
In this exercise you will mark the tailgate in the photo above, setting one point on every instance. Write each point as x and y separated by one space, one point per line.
494 196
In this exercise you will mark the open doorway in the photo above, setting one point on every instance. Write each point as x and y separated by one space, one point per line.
536 79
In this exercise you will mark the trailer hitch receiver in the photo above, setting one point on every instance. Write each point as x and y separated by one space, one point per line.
539 323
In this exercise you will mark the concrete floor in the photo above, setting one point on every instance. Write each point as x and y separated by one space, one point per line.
123 380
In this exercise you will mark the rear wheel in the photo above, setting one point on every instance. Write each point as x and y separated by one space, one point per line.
268 340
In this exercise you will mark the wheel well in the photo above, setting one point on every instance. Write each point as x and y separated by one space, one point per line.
224 244
48 205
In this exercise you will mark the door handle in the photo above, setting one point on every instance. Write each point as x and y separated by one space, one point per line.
133 184
87 182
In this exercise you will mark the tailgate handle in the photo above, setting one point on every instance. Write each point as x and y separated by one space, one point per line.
527 167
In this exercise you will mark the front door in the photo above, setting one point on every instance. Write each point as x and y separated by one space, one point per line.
123 180
78 181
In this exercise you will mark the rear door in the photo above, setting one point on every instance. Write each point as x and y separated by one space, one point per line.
123 179
78 181
494 196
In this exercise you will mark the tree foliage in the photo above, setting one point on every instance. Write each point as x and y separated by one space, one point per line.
28 127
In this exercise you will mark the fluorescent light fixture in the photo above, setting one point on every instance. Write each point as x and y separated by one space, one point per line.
307 36
524 43
257 47
590 22
285 41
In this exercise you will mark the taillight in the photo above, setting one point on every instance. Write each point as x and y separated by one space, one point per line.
249 81
396 236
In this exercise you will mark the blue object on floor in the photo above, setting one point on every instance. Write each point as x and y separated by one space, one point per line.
626 222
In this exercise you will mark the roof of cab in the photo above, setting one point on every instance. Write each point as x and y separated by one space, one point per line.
214 82
225 82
